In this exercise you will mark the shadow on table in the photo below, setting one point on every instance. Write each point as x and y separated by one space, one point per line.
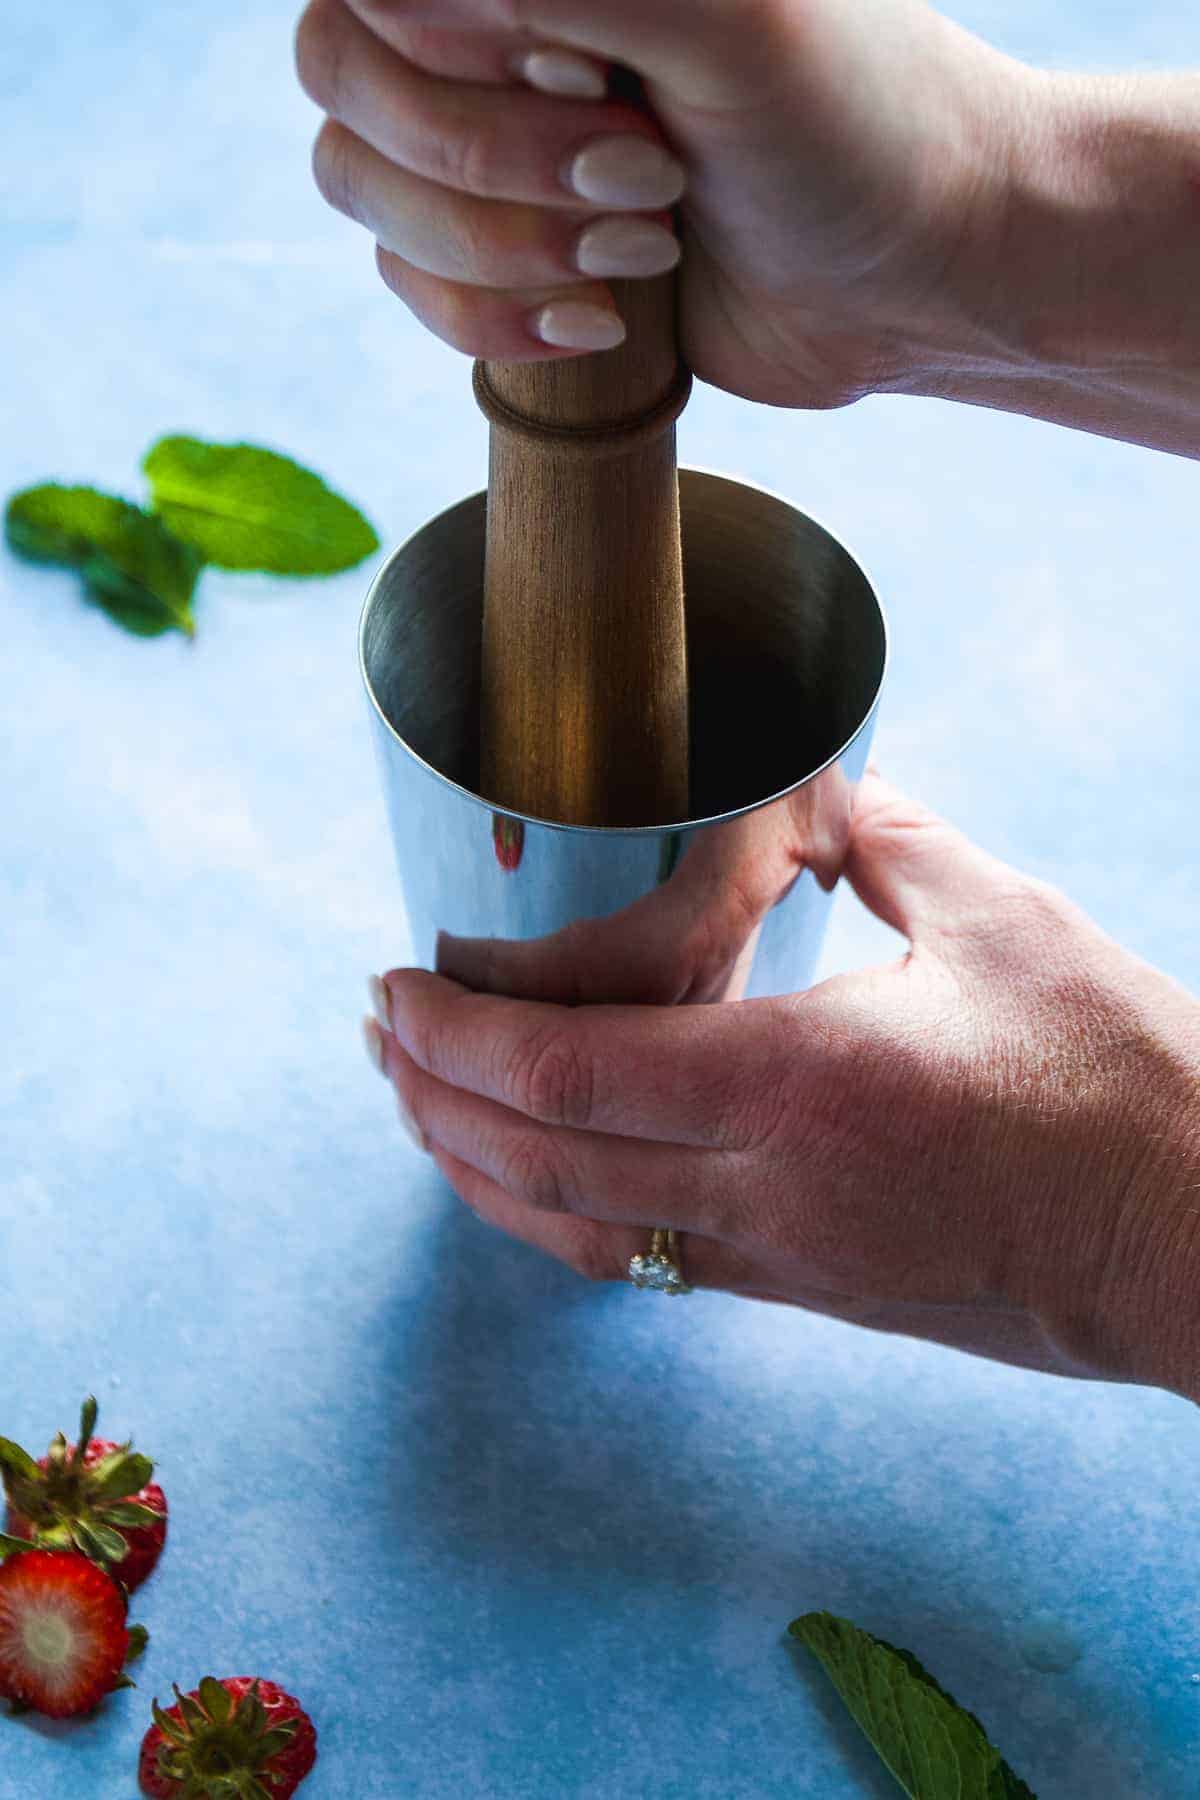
589 1438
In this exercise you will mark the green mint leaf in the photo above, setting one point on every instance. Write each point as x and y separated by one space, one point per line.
934 1747
57 524
155 593
243 507
132 566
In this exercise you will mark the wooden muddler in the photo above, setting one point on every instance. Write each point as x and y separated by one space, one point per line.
584 676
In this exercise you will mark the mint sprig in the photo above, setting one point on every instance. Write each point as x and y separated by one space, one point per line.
243 507
236 505
934 1747
132 566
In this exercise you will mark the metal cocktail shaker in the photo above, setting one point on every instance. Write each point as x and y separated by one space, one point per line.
786 647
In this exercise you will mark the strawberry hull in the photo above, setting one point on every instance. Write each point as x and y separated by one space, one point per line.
237 1724
144 1542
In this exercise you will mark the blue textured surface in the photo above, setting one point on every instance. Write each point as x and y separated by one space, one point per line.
506 1534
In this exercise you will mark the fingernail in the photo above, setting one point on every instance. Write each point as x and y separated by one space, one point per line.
381 1001
574 325
373 1039
626 171
626 247
409 1126
561 72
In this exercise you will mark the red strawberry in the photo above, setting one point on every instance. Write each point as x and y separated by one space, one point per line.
101 1501
63 1638
233 1739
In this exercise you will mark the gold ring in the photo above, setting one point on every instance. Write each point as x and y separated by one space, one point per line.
660 1269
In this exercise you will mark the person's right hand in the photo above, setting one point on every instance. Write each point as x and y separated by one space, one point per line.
839 168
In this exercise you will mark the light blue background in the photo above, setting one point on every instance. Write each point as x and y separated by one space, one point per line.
508 1535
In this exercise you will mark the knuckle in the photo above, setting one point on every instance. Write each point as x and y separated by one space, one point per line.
467 240
334 166
451 311
765 1112
465 154
531 1174
551 1079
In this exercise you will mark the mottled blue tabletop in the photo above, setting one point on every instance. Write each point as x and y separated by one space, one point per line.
505 1533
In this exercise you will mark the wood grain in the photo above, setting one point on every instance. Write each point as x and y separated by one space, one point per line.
584 673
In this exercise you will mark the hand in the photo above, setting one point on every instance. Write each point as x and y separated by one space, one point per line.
990 1143
836 163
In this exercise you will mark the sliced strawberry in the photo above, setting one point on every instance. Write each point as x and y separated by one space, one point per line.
63 1638
234 1739
99 1500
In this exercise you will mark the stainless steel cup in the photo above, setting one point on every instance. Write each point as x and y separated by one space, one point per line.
786 652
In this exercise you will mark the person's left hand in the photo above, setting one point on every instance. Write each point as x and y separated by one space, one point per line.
989 1143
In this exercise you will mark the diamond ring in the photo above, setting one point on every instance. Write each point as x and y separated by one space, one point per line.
660 1269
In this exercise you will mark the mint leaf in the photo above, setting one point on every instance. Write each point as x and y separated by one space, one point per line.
243 507
934 1747
132 566
57 524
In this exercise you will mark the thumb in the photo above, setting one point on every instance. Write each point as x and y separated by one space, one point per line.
914 870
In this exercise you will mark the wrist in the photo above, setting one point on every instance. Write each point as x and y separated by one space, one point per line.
1126 1302
1100 218
1069 292
1173 1308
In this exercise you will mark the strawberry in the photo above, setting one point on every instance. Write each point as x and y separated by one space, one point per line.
233 1739
93 1495
63 1638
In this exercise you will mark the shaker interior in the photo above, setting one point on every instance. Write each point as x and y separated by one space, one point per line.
785 638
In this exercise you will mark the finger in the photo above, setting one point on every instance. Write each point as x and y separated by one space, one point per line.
709 55
499 143
530 326
598 1252
915 871
593 1175
710 1076
494 243
495 56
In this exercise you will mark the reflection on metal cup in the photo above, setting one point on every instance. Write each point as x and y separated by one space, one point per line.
786 652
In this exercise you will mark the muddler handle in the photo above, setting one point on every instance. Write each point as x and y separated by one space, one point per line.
584 677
